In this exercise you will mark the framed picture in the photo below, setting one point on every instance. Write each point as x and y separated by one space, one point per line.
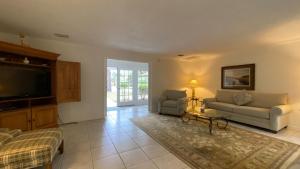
238 77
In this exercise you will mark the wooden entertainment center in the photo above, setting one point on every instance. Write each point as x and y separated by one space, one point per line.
38 112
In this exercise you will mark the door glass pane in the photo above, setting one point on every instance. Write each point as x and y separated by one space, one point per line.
126 85
142 85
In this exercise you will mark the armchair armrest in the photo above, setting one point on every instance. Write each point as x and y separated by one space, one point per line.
281 109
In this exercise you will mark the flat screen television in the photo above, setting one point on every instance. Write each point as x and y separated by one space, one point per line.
24 82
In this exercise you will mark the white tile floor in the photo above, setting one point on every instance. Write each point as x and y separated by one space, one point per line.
116 143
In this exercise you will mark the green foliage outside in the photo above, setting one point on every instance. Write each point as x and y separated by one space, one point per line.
124 85
143 87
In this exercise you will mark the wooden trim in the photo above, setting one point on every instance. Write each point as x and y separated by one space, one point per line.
27 51
252 77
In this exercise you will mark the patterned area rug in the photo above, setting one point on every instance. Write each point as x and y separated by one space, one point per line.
232 148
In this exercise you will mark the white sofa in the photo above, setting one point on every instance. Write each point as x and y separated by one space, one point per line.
266 110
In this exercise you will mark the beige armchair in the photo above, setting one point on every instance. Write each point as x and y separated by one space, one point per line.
173 102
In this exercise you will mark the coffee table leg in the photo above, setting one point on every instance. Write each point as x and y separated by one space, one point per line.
210 126
185 117
224 127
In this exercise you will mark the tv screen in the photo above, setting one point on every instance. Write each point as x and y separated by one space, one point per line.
22 82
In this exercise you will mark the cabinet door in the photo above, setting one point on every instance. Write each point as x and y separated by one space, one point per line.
16 119
68 81
44 116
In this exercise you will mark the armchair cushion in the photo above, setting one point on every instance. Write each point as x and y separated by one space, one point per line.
174 94
170 103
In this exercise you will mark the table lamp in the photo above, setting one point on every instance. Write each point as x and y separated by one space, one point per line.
193 84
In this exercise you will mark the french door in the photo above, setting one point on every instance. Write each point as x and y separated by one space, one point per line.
127 86
125 91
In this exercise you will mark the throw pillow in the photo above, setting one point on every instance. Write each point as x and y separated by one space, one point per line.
242 98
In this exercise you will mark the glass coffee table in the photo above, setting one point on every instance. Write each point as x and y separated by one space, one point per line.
210 115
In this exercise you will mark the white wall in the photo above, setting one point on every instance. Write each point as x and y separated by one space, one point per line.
92 61
277 70
127 64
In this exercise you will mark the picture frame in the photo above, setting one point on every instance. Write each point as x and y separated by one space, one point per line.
238 77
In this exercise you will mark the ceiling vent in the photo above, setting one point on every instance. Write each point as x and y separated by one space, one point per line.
59 35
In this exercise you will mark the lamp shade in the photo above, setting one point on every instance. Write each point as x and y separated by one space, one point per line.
193 83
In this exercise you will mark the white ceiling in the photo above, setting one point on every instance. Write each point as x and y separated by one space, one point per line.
164 27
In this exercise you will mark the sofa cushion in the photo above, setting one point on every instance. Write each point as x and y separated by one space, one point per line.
242 98
221 106
268 100
170 103
225 96
252 111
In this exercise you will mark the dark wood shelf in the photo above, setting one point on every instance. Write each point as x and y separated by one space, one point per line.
27 51
24 64
40 98
26 99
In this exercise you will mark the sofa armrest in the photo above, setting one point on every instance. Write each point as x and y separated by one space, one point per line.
281 109
209 100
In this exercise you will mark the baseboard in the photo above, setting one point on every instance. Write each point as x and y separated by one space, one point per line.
297 128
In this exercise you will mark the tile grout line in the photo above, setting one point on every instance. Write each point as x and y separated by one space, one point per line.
140 147
93 167
117 151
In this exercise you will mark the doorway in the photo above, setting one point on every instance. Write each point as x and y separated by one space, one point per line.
127 83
